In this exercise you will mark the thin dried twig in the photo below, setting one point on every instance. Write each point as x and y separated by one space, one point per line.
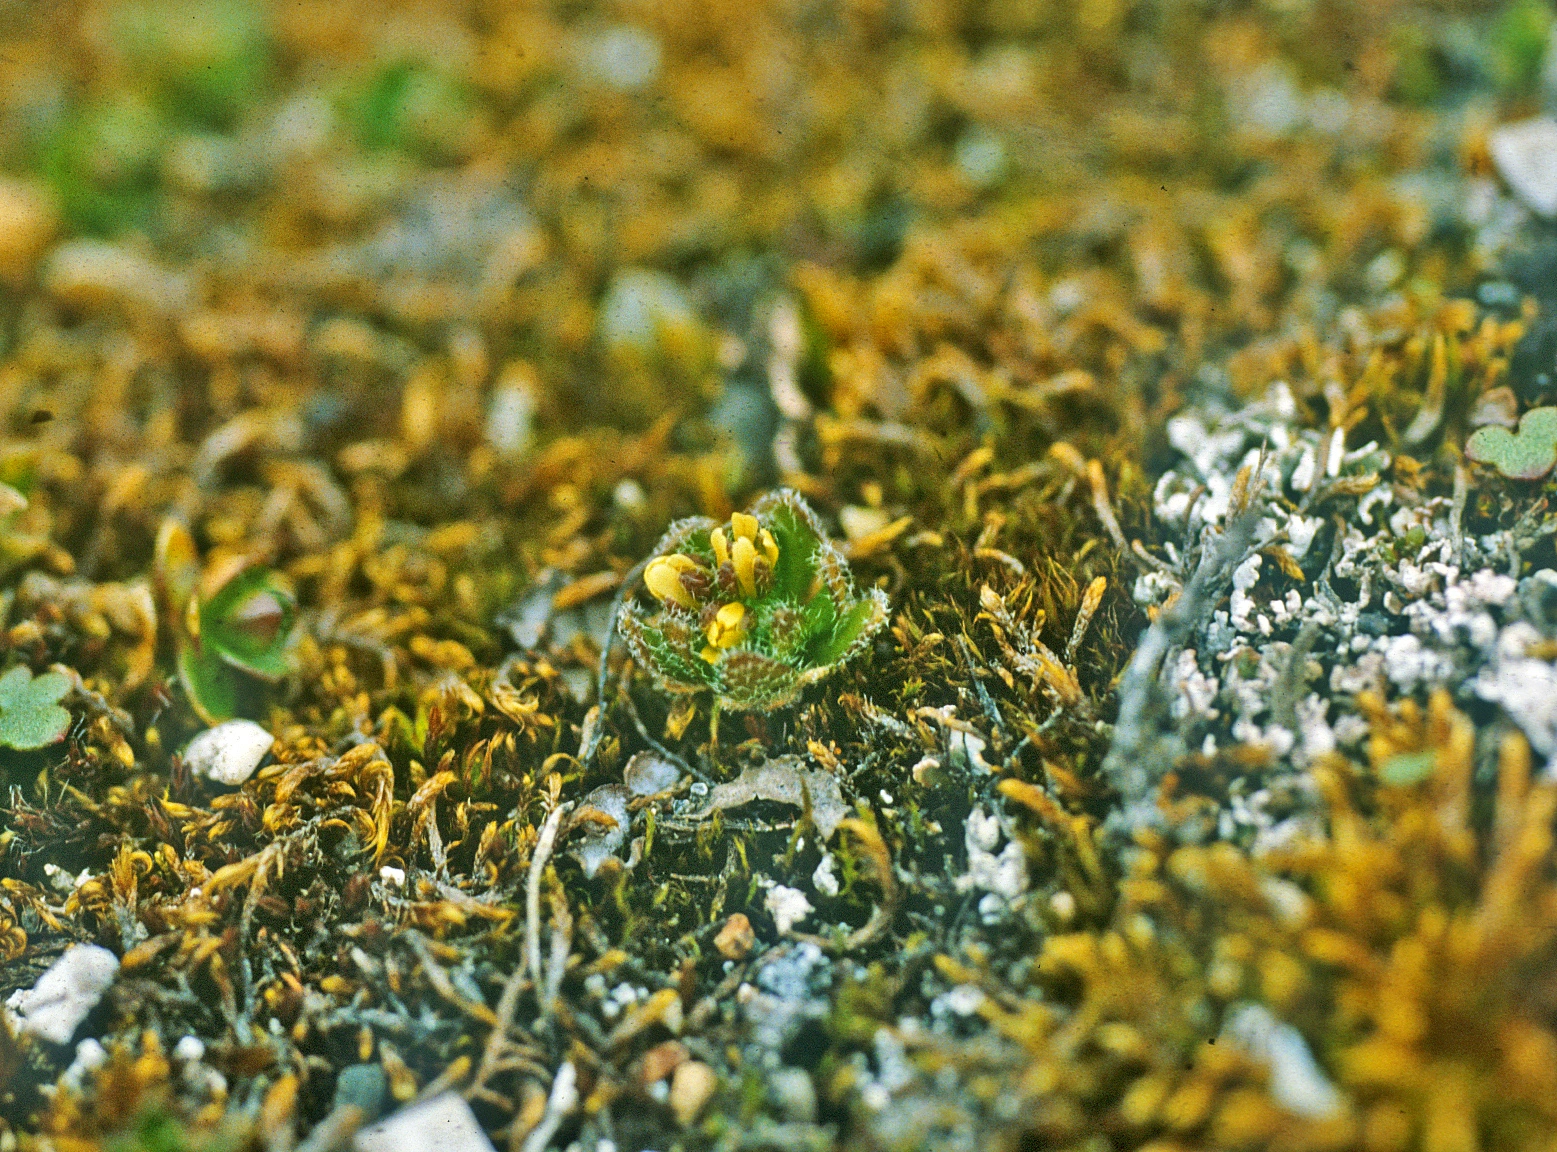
563 1100
532 890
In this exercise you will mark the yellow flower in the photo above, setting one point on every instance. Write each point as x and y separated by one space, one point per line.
751 541
663 578
743 556
727 628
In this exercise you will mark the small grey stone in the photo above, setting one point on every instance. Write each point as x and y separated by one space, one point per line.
648 773
364 1086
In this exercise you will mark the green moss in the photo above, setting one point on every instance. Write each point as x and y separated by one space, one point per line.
410 108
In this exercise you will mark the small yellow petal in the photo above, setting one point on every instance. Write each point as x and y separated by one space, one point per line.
710 654
769 546
744 556
744 526
731 615
721 549
680 562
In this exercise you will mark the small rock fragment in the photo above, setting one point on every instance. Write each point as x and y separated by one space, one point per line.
1297 1083
229 753
624 57
53 1008
690 1089
793 1094
510 427
445 1122
190 1049
1526 157
648 774
601 821
95 273
641 308
823 878
90 1056
736 939
362 1086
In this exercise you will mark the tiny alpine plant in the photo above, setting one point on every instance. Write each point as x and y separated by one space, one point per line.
752 610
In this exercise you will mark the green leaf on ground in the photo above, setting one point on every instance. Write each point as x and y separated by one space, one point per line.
30 713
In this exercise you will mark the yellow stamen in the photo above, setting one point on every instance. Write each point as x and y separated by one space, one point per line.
721 549
663 578
768 545
744 526
744 556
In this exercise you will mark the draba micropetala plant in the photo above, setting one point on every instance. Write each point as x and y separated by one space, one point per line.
753 610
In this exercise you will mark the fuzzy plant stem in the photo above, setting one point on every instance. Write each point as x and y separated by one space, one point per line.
603 669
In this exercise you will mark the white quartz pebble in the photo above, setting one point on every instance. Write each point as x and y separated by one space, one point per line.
445 1123
1526 157
53 1008
229 753
787 906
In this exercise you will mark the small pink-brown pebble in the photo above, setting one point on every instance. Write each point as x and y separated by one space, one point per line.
736 939
661 1060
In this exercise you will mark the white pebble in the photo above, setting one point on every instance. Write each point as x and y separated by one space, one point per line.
445 1122
787 906
823 879
983 831
189 1049
1525 155
90 1056
1297 1083
965 999
510 427
53 1008
229 753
